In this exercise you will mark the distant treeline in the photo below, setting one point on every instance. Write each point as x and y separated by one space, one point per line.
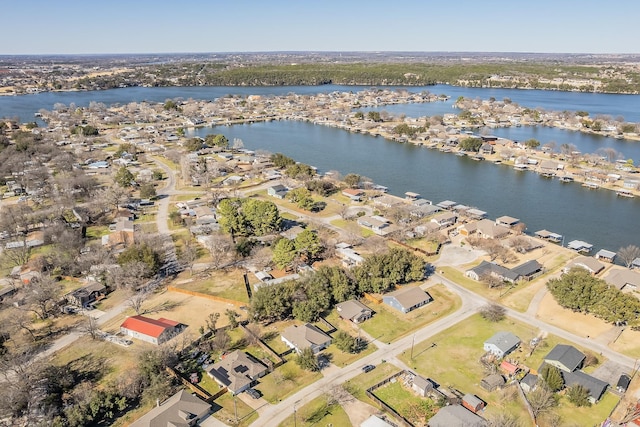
513 75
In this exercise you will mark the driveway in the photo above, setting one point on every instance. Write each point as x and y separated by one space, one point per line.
456 255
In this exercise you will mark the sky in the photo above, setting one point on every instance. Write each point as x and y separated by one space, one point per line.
182 26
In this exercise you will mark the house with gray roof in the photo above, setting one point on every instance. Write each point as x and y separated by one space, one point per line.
502 343
528 270
493 269
305 336
595 386
354 311
236 371
529 382
456 416
565 357
407 298
183 409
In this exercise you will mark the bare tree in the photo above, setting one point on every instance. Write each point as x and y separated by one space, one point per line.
252 333
188 254
503 419
221 248
41 294
541 400
628 254
90 327
492 281
136 300
221 341
493 312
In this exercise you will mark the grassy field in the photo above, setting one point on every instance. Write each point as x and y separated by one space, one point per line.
414 408
226 407
454 360
318 413
388 324
223 283
286 380
342 359
358 385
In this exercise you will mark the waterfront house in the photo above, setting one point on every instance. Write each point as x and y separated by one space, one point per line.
501 343
635 263
305 336
354 311
237 371
605 255
445 219
590 264
353 193
528 270
181 409
567 358
155 331
487 229
486 268
623 279
407 299
456 416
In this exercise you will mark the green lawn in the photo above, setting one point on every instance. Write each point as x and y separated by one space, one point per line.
317 413
97 231
587 416
388 324
226 408
342 359
286 380
405 402
454 360
358 385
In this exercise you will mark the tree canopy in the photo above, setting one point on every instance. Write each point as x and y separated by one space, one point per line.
248 217
382 272
471 144
579 291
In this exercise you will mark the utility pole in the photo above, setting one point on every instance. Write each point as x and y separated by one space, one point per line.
413 341
295 419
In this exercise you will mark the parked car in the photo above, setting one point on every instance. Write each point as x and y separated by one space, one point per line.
253 393
368 368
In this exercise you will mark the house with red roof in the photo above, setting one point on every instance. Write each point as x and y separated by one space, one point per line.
155 331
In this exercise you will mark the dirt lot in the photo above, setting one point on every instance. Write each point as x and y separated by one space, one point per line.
189 310
577 323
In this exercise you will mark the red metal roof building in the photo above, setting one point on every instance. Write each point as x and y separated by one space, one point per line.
150 330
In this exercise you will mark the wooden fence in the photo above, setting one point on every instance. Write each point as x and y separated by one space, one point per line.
405 422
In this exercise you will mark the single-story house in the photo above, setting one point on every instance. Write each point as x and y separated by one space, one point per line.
595 386
492 382
349 256
489 268
277 191
590 264
472 402
155 331
487 229
445 219
375 421
605 255
181 409
354 311
237 371
456 416
623 279
305 336
376 223
565 357
407 299
528 270
502 343
353 193
86 294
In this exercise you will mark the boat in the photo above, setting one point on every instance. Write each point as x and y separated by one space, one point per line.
461 154
625 193
478 158
547 174
566 179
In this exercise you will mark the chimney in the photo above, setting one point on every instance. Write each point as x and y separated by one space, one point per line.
158 402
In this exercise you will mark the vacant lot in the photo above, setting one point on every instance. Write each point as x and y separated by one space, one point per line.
228 283
580 324
318 413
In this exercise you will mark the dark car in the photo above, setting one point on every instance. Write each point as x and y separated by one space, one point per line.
253 393
368 368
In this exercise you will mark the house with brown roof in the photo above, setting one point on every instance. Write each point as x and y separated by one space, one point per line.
624 280
407 298
354 311
353 193
305 336
154 331
183 409
588 263
237 371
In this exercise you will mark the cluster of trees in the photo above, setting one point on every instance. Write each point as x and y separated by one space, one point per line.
87 130
471 144
142 254
579 291
306 246
248 217
313 294
411 131
217 140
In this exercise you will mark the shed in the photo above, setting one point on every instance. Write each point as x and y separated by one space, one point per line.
623 383
492 382
606 255
472 402
528 382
